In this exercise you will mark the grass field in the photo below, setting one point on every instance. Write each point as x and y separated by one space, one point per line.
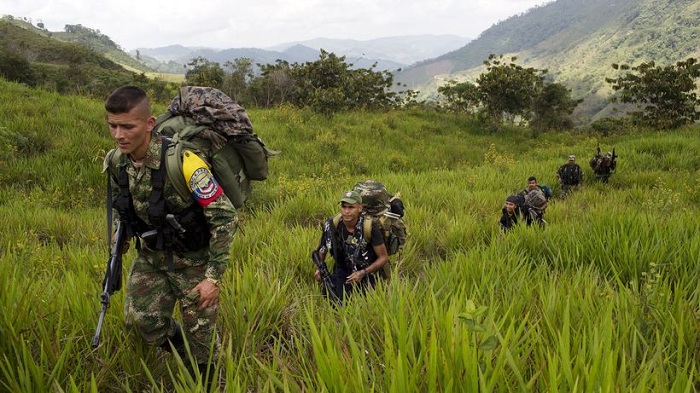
606 298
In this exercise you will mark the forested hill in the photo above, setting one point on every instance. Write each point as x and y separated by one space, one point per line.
577 41
75 34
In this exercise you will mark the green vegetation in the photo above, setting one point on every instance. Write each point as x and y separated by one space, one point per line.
605 299
577 41
327 85
507 91
665 97
68 68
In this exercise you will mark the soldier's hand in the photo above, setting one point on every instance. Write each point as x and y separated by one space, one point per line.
208 294
356 277
317 276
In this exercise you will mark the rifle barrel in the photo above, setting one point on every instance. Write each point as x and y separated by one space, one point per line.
112 280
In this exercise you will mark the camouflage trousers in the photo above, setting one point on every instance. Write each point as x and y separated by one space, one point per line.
151 295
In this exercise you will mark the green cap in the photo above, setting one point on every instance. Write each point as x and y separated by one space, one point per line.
351 197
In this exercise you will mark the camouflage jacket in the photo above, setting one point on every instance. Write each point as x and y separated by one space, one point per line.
220 213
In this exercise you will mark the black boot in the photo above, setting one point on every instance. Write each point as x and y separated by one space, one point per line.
177 341
207 376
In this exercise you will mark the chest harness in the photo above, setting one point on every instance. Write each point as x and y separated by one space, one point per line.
177 233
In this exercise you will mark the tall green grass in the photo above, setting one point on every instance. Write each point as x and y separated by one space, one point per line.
606 298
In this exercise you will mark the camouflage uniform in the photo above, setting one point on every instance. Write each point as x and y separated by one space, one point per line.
153 287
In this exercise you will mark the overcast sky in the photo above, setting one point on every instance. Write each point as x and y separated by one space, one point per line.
263 23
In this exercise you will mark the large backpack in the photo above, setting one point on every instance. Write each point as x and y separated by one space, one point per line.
385 209
211 121
546 191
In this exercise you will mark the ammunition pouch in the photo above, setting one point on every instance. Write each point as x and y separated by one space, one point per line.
193 235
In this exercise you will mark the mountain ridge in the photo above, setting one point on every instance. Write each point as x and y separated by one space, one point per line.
577 41
389 53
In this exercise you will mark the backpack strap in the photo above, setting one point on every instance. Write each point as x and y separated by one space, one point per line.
367 228
173 167
366 225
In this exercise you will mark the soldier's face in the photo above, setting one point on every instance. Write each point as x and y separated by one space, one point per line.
531 185
510 207
350 212
132 131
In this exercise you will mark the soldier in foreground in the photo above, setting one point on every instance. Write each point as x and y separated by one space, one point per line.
183 244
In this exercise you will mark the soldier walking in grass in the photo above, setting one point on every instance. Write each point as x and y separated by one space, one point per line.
570 176
509 213
357 260
183 244
603 165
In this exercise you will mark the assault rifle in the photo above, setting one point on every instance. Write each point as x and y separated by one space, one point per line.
325 275
113 278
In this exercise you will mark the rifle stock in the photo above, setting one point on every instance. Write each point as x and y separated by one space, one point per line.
325 275
113 279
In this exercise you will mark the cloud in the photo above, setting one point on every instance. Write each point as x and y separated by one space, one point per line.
262 23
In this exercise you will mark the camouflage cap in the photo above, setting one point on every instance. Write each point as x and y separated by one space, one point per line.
352 197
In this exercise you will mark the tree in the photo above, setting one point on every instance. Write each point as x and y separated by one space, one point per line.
16 68
237 81
460 96
552 108
329 85
665 96
506 89
274 86
204 73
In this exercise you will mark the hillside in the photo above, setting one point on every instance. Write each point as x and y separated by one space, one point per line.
37 47
605 298
577 41
88 38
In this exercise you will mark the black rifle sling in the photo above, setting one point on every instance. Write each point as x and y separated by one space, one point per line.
157 210
109 206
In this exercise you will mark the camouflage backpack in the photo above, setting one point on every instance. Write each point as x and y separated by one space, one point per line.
536 199
387 210
212 122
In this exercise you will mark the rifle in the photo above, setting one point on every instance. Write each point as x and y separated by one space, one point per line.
598 151
325 275
113 278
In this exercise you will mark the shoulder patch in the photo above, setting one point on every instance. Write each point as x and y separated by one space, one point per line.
200 181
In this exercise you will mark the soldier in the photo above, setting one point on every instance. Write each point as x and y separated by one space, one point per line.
357 260
533 185
169 267
603 165
509 213
570 176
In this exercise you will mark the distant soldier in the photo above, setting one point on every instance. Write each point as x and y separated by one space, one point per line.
509 213
570 176
603 165
533 185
